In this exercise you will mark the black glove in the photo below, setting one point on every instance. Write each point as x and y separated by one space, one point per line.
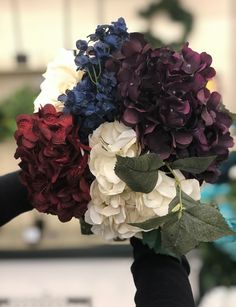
161 281
13 197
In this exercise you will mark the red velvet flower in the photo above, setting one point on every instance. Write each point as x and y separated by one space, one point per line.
53 162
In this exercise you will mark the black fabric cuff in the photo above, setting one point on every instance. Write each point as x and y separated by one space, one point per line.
161 281
13 197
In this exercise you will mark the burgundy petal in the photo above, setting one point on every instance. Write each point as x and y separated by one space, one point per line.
206 116
183 138
131 117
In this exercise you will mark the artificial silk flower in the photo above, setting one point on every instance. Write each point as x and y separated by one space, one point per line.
47 145
61 75
168 119
107 141
162 95
111 215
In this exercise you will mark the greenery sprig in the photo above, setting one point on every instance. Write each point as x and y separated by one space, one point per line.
188 221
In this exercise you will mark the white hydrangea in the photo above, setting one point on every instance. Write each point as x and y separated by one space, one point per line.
113 205
111 215
108 214
60 75
107 141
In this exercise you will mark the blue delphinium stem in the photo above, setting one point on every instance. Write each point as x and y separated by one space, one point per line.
92 101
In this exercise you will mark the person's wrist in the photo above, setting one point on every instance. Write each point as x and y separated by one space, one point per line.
141 250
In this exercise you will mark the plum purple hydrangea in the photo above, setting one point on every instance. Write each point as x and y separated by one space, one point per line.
163 96
160 93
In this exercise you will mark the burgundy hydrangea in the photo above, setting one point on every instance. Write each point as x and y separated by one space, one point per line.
53 162
162 94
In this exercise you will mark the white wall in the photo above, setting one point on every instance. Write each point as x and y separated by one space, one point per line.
42 28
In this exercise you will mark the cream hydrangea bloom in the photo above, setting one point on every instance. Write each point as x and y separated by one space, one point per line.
113 205
111 215
107 213
60 75
107 141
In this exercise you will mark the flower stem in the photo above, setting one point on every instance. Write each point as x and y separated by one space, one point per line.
99 69
91 78
178 184
95 74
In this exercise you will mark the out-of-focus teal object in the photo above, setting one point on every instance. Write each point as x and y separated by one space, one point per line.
212 193
219 258
228 244
225 168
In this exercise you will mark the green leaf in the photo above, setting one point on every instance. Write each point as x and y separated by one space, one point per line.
153 240
187 201
198 223
194 165
139 173
177 239
206 223
85 227
158 221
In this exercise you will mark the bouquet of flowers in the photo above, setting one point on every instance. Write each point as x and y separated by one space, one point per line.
122 137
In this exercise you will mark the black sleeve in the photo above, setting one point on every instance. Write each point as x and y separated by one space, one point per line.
161 281
13 197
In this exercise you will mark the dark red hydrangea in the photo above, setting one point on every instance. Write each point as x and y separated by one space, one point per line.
53 162
162 94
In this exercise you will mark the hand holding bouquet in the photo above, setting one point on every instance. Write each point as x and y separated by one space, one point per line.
122 137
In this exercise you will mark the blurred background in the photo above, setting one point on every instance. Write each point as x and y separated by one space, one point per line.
42 261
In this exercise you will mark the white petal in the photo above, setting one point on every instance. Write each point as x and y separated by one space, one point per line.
153 199
127 231
95 217
87 217
108 171
120 218
167 190
196 191
103 184
162 210
159 180
111 189
126 138
108 211
186 186
60 75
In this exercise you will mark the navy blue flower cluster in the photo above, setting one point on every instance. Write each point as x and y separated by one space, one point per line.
92 101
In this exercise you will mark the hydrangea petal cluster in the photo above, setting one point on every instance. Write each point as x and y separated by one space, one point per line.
91 104
113 205
53 162
92 100
163 96
60 76
111 215
107 141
